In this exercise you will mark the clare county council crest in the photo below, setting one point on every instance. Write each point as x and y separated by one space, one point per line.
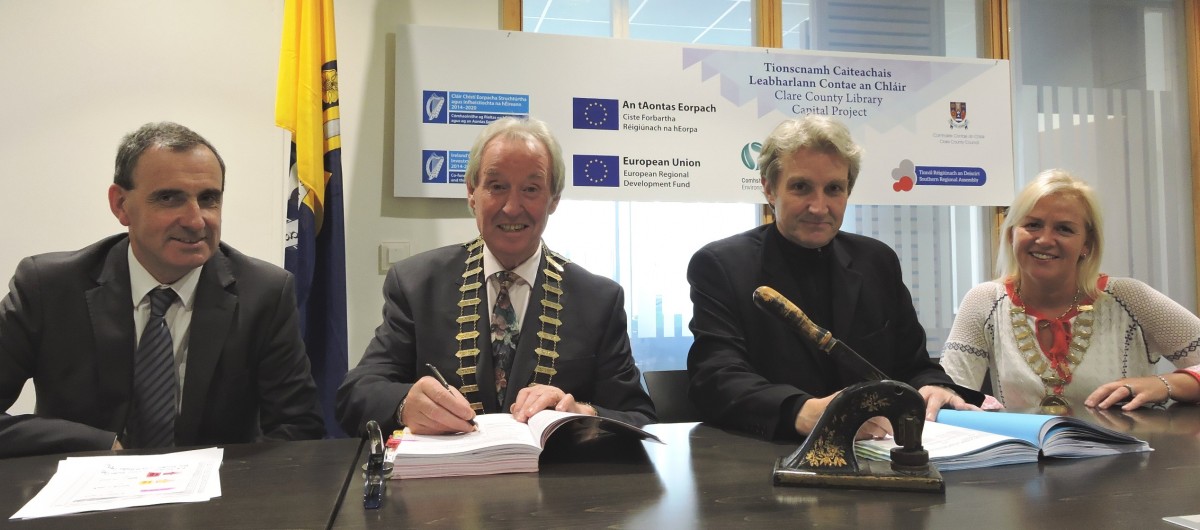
958 115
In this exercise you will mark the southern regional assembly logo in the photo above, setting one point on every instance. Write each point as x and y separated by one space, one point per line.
958 115
906 174
597 170
596 114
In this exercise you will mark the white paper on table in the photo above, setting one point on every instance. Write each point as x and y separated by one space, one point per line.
94 483
1186 521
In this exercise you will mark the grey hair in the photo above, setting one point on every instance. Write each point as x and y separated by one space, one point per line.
814 132
529 129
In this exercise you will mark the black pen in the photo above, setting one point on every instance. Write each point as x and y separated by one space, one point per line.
446 385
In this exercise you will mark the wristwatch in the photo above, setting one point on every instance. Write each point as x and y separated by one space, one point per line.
400 412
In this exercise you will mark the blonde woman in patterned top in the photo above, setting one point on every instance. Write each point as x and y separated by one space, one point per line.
1053 332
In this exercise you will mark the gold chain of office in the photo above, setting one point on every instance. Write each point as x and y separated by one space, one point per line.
1081 338
468 321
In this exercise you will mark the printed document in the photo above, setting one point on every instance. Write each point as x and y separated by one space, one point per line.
85 484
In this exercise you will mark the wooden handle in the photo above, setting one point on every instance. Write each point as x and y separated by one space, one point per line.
771 301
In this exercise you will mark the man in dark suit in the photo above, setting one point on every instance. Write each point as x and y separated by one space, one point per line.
750 371
234 368
512 325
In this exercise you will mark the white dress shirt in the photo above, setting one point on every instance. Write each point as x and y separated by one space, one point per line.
178 317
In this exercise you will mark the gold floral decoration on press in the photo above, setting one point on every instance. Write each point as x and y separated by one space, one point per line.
874 402
825 454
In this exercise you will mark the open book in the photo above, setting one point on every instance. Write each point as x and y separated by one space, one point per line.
501 445
966 439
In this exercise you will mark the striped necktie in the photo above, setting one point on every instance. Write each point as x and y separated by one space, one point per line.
155 384
505 332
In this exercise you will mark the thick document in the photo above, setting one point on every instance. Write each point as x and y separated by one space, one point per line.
965 439
501 445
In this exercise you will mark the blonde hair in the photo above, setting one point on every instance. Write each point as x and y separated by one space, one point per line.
1061 183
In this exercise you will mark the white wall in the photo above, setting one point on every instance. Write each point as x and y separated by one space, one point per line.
78 75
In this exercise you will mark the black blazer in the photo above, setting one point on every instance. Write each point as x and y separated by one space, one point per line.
420 309
745 365
67 323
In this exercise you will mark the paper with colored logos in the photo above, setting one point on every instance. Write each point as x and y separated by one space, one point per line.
95 483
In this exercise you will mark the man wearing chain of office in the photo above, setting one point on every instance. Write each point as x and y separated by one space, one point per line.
512 325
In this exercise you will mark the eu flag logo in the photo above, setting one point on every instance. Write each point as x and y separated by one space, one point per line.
599 114
597 170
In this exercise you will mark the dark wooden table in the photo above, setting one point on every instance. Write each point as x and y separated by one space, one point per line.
263 486
705 477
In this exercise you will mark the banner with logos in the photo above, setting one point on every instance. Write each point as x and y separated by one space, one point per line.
657 121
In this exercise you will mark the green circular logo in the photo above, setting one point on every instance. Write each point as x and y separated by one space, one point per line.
750 153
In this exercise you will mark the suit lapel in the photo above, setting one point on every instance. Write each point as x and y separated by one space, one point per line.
212 316
775 272
847 283
110 306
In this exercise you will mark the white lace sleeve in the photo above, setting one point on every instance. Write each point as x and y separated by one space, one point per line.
970 344
1170 329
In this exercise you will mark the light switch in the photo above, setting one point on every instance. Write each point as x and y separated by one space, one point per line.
391 252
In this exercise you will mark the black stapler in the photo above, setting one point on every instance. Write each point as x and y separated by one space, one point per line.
376 478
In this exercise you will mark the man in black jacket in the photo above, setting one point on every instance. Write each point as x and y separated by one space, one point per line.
72 321
751 372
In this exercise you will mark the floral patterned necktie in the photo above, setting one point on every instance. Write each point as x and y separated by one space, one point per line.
505 331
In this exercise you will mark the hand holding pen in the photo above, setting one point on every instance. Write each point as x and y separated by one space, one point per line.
446 386
434 407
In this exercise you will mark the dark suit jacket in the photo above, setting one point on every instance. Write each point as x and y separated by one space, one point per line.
595 362
749 371
67 323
